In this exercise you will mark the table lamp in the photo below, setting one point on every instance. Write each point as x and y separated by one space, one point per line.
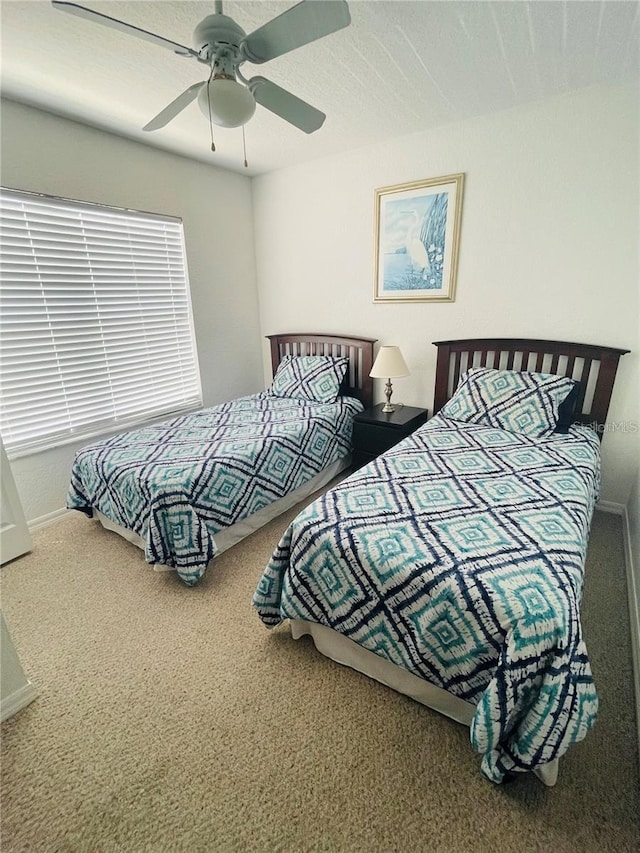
389 364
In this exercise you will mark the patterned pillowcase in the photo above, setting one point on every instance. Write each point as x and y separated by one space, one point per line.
310 377
516 401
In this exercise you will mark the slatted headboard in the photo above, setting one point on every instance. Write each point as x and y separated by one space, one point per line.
359 351
592 366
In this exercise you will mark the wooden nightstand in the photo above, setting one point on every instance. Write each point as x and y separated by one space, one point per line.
375 431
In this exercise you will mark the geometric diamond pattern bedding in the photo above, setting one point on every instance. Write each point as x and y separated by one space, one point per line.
311 377
459 556
508 399
179 482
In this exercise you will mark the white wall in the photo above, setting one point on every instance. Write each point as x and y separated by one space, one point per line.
549 243
45 153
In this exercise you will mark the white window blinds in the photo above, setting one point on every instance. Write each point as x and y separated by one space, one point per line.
95 320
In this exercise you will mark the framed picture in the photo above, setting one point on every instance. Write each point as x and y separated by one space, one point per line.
417 235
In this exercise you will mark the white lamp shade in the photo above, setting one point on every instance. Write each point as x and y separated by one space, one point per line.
389 363
232 104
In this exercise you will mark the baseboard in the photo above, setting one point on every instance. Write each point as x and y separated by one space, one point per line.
612 507
634 613
49 518
18 700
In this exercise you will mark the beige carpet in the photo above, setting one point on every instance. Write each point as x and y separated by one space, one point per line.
169 719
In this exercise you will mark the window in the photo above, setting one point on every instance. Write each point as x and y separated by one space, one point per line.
95 320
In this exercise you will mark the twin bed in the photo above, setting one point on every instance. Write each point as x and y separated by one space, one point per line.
189 488
450 568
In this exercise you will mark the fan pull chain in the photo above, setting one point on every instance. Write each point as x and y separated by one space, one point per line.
213 145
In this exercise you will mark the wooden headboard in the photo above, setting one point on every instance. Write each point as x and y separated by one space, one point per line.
592 366
359 351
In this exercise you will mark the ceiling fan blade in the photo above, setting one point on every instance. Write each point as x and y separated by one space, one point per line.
308 21
292 109
176 106
115 24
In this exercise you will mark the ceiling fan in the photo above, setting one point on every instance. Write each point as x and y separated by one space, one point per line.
227 98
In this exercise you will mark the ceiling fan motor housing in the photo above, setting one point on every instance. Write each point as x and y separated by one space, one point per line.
215 32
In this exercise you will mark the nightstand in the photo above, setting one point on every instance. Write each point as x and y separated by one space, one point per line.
375 431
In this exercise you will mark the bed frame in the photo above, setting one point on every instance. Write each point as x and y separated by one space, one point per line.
594 368
359 351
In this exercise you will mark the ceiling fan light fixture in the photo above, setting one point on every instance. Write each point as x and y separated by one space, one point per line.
227 102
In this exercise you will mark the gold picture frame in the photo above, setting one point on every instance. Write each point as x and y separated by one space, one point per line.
417 240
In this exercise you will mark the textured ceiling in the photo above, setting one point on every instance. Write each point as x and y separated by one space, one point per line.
400 67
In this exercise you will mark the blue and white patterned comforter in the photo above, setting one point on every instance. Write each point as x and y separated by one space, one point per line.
459 556
177 483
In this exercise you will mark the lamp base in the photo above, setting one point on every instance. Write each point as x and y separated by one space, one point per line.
388 391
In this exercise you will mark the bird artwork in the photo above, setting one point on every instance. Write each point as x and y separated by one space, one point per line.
414 243
416 249
416 240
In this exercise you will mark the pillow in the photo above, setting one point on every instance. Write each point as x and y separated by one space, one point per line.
566 410
517 401
310 377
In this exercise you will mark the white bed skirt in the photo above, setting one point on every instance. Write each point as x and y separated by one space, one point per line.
225 539
342 650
